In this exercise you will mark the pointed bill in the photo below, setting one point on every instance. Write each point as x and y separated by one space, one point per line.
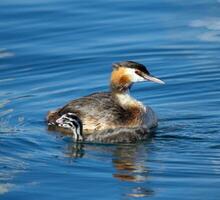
153 79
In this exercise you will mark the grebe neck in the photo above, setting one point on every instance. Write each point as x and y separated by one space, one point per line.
126 101
121 83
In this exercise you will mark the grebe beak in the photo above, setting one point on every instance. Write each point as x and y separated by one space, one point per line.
153 79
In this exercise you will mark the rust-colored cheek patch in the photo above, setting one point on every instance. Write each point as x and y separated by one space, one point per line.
119 77
124 80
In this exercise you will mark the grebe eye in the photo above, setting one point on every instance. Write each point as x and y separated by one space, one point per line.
138 72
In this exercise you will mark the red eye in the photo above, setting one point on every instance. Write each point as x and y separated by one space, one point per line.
138 72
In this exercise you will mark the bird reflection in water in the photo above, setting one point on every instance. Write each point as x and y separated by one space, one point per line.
75 150
129 162
128 165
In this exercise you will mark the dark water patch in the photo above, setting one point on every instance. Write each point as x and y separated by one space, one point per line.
215 147
176 137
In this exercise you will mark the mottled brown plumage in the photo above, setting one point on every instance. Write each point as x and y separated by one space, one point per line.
101 111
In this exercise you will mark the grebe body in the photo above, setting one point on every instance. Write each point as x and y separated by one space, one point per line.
109 116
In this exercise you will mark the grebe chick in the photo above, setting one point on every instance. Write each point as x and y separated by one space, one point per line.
109 116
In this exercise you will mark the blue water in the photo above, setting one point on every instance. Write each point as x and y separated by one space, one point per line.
52 51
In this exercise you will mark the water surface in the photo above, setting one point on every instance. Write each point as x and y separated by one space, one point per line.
55 51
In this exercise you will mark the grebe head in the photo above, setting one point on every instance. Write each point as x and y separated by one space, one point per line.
126 73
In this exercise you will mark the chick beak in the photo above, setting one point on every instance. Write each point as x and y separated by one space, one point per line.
152 78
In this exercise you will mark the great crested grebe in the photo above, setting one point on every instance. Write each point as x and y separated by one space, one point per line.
109 116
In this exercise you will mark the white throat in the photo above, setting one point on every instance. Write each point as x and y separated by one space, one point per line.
134 77
126 101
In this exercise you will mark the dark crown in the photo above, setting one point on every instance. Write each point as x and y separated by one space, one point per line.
131 64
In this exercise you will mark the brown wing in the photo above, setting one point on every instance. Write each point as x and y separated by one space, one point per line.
97 111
